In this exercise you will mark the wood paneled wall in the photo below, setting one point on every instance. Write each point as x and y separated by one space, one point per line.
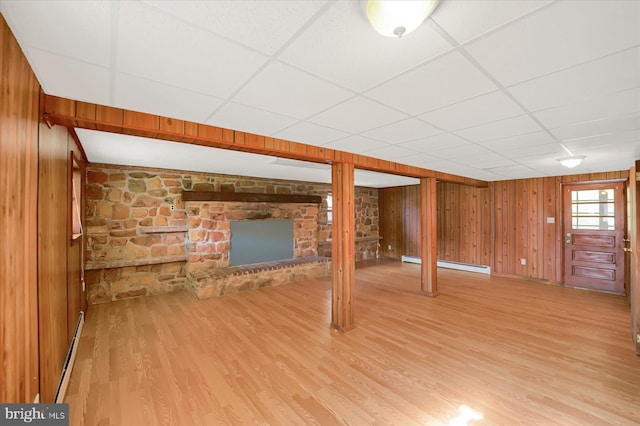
464 224
18 223
495 226
60 299
36 255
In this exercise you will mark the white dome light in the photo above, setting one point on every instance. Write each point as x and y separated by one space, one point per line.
395 18
571 162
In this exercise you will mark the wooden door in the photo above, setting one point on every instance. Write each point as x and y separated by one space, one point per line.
594 236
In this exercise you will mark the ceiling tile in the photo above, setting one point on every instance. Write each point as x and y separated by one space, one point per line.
443 81
517 171
598 127
482 109
486 163
611 74
310 133
248 119
435 143
69 78
288 91
616 104
500 129
357 115
452 153
574 32
520 154
379 180
609 141
429 162
356 144
391 153
57 24
466 20
402 131
161 48
343 35
514 143
262 25
139 94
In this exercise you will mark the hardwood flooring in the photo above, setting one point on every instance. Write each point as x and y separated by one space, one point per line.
518 352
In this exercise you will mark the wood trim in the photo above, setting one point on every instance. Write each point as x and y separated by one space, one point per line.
428 237
249 197
343 247
70 113
75 137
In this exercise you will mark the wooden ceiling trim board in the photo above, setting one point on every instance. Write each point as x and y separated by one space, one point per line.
75 137
71 113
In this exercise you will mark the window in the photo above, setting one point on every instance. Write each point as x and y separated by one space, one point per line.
76 187
329 208
593 209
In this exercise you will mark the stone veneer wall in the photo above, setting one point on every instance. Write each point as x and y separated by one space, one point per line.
140 233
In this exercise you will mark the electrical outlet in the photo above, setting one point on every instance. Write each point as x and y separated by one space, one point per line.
523 261
172 207
389 246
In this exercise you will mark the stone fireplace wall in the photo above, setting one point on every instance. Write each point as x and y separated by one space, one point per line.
210 233
140 234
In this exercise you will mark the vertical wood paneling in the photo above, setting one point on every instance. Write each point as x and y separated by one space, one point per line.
486 234
522 227
499 225
498 194
19 91
390 221
428 237
53 240
549 210
411 221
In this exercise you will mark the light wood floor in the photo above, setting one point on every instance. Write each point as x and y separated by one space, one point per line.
518 352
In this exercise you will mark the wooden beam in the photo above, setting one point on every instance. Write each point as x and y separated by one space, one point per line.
249 197
70 113
428 237
343 247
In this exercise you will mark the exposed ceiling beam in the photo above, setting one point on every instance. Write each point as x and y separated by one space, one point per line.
77 114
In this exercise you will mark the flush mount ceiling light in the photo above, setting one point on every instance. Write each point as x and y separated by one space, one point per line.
395 18
572 161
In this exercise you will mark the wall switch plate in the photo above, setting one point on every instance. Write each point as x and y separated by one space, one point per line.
551 220
523 261
638 338
389 246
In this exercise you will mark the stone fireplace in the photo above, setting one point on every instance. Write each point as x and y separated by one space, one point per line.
209 229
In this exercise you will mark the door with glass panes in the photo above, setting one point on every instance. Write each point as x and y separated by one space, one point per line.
594 236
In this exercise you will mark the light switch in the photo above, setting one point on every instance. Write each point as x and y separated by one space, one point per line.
551 220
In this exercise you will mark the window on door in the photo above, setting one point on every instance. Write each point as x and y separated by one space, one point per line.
593 209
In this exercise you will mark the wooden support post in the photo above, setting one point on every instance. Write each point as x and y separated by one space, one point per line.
428 237
634 256
343 247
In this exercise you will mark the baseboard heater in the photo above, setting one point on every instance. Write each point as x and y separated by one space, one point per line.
65 376
480 269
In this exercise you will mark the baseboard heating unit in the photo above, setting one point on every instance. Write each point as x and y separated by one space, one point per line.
480 269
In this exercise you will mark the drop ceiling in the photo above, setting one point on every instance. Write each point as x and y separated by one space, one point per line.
491 90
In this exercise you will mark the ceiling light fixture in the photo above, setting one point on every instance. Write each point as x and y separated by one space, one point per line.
572 161
395 18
